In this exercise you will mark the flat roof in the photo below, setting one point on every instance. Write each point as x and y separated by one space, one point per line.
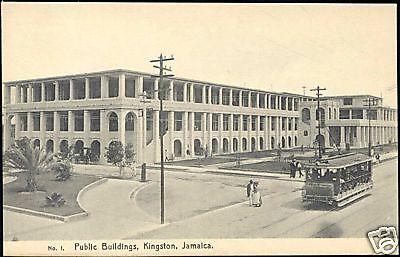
115 71
341 161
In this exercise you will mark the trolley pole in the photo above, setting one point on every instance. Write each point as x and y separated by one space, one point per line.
369 102
318 89
161 59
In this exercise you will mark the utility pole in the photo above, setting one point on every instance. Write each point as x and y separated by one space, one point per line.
304 90
369 102
161 59
318 89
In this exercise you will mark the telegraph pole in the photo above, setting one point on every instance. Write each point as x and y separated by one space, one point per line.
318 89
369 102
161 59
304 90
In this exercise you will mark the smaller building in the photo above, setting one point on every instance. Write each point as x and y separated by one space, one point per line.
344 122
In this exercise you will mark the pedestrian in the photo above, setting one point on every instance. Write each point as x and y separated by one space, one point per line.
257 200
378 157
299 169
279 152
302 149
293 168
166 155
250 190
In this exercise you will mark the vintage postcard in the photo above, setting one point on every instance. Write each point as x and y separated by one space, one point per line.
199 129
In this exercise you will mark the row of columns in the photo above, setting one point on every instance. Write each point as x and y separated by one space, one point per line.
379 135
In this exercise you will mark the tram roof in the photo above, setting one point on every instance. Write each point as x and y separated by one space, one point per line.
341 161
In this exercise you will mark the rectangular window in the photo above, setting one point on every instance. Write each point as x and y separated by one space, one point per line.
23 117
253 123
79 89
215 95
49 121
64 90
95 120
178 121
283 123
225 122
178 93
113 86
273 102
63 121
347 101
295 123
261 100
357 114
225 96
197 121
215 122
198 94
245 122
235 97
283 103
235 122
130 87
245 99
262 123
94 88
344 114
253 100
290 124
273 123
78 120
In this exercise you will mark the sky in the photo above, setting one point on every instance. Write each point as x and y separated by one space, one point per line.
348 49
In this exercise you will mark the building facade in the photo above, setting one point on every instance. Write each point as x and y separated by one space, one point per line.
344 122
93 109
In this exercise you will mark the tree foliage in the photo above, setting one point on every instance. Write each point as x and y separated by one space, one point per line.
31 160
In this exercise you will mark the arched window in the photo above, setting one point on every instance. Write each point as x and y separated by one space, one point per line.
95 151
289 141
129 122
113 122
272 143
253 144
283 142
244 144
225 145
330 113
214 145
197 147
64 146
49 146
305 115
78 149
261 143
36 143
295 140
334 113
177 148
305 133
235 144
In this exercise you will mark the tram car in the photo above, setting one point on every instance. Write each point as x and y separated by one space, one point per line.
338 180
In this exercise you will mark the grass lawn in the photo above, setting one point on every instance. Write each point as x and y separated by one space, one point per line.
267 166
14 195
202 162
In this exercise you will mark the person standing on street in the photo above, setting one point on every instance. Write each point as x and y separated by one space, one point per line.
257 200
250 191
293 168
298 166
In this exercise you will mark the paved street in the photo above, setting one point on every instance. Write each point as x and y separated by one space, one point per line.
284 215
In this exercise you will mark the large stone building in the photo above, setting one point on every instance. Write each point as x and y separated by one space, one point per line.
94 109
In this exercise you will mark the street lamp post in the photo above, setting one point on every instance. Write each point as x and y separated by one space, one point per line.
161 59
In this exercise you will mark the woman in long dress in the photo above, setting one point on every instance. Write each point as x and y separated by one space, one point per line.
257 200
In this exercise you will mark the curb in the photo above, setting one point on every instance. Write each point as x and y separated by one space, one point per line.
84 190
69 218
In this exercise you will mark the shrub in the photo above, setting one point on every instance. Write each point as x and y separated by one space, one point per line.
62 170
55 200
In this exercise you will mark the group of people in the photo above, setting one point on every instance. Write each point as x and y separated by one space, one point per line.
253 194
294 167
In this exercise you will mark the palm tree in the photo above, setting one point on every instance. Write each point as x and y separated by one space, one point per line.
31 160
